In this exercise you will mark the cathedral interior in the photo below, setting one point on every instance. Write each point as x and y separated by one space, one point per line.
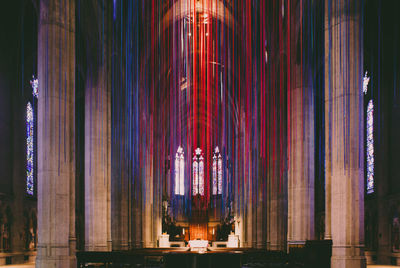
200 133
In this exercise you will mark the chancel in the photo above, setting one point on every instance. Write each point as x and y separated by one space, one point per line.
200 133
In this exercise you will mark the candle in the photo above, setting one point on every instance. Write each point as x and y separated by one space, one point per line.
183 231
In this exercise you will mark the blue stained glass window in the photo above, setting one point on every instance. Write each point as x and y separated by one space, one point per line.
365 82
214 174
179 172
29 149
370 147
217 172
201 175
198 173
35 84
195 177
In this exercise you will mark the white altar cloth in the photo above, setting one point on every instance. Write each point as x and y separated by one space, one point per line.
163 241
198 245
233 241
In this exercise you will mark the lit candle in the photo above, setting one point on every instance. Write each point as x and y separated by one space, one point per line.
183 231
213 231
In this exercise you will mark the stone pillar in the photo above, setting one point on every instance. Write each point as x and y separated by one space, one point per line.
98 159
148 239
301 136
237 202
56 135
242 193
277 210
261 236
345 130
136 219
249 211
248 196
246 205
276 229
121 188
157 183
277 183
301 166
328 187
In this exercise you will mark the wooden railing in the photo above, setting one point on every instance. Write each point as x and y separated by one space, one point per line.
169 258
313 254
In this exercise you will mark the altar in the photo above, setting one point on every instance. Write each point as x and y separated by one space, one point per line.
198 245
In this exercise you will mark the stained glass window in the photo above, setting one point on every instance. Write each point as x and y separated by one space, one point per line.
29 149
182 175
35 85
370 147
201 175
195 177
214 174
198 173
217 172
179 172
365 82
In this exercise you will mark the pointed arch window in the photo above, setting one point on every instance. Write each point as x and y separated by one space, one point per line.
370 147
35 85
198 173
217 172
179 172
29 149
369 136
30 139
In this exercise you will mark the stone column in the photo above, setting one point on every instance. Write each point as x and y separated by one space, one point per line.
248 196
121 188
276 228
276 207
246 182
259 223
158 170
242 193
56 135
345 130
237 203
249 211
98 158
301 166
260 233
147 216
301 136
328 180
